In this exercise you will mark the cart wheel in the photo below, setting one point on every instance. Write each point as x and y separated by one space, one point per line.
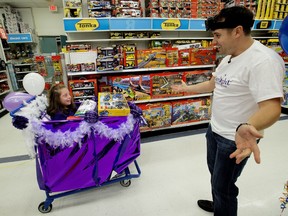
42 209
125 183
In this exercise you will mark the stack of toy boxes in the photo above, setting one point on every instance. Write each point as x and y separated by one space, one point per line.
72 8
112 104
10 20
204 9
127 8
133 87
130 56
83 88
157 115
172 57
195 77
169 8
161 84
191 110
109 58
250 4
99 8
271 9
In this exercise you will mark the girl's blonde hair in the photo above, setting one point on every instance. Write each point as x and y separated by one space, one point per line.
54 104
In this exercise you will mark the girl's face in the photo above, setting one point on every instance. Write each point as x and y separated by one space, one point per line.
65 98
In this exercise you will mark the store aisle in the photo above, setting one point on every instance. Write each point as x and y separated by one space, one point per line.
174 176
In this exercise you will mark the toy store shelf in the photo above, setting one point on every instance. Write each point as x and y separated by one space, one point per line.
138 39
26 64
83 97
177 126
5 92
173 98
3 80
84 88
140 70
150 24
25 72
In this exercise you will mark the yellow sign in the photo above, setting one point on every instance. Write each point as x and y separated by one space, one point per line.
87 25
264 24
171 24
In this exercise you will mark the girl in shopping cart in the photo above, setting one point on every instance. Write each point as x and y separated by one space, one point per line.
60 103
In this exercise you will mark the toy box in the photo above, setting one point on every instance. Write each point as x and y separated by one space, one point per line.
161 84
184 57
112 104
73 67
195 77
121 84
157 115
185 111
151 58
81 89
203 56
130 56
172 57
141 86
109 58
85 106
41 65
135 87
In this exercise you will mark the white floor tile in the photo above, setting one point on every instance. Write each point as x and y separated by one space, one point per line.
174 176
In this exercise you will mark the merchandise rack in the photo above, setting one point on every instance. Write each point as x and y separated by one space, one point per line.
184 29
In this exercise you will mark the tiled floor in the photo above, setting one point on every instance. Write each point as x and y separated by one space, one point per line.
174 175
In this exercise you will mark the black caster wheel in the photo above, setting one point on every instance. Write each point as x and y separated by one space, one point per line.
42 209
125 183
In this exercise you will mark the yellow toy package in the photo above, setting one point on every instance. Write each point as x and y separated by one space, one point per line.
112 104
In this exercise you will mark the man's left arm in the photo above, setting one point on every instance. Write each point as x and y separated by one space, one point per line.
247 134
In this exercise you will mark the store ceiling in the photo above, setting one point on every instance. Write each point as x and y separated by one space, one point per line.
31 3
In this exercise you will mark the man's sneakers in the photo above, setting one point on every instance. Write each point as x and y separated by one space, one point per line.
206 205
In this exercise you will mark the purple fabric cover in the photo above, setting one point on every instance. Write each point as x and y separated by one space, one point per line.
91 164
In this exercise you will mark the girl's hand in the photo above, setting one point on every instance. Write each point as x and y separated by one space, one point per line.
246 143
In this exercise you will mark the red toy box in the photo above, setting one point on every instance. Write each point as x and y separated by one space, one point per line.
161 84
203 56
191 110
157 115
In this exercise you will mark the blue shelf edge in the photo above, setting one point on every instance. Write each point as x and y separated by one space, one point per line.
150 24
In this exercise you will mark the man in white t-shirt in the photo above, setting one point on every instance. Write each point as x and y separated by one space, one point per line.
247 97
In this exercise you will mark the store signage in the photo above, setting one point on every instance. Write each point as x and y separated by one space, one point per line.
171 24
119 24
20 38
53 8
87 25
263 24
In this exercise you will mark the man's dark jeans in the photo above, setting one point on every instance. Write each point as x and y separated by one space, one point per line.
224 173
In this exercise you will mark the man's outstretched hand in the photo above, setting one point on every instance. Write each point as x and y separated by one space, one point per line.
246 143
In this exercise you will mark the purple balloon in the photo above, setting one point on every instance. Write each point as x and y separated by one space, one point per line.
15 99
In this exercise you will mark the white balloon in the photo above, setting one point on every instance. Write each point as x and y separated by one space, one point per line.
34 83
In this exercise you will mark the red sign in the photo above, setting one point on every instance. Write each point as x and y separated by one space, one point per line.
53 8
